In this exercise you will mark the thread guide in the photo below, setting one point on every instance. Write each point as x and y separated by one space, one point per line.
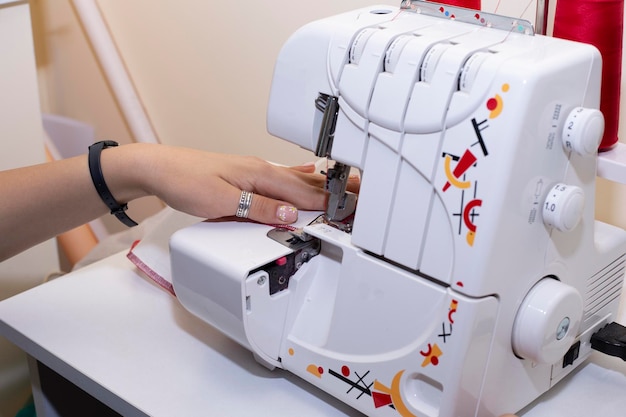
474 17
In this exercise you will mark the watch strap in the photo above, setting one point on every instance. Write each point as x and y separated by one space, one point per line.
95 169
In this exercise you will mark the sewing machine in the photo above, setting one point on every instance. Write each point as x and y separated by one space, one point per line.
471 275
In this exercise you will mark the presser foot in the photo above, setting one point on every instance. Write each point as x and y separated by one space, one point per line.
304 248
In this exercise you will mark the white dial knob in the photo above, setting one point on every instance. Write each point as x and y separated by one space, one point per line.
547 321
583 131
563 207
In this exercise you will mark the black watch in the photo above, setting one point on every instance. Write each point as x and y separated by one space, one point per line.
95 169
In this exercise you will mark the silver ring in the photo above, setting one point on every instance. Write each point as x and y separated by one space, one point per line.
244 204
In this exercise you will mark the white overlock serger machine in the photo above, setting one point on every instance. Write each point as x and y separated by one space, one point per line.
471 275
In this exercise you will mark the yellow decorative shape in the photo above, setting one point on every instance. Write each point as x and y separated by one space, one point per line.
451 178
470 238
496 112
435 351
379 386
314 370
396 397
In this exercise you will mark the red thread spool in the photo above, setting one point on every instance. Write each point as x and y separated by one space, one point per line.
599 23
468 4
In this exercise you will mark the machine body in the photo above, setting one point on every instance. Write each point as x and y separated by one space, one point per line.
471 273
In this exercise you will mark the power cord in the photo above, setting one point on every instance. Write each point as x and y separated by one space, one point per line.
611 340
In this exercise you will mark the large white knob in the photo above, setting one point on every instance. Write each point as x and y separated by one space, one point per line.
563 207
583 131
547 321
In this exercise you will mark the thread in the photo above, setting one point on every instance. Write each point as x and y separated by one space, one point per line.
468 4
601 24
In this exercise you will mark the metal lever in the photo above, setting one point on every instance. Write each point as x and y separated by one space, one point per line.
341 203
329 106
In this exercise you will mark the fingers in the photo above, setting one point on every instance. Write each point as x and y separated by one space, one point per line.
245 201
299 185
307 168
265 210
301 189
354 184
214 182
354 181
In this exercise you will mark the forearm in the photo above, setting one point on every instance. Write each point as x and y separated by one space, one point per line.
42 201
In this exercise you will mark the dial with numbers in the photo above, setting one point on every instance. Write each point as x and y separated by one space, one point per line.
563 207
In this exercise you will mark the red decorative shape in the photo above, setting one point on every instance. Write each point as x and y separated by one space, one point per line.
434 360
466 213
428 352
459 283
381 399
492 103
345 371
450 313
467 160
320 370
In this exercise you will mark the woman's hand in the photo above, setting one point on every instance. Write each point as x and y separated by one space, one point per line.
209 185
42 201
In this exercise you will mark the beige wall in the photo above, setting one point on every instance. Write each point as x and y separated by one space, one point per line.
21 137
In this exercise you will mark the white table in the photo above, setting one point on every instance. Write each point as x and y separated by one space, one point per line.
132 346
113 333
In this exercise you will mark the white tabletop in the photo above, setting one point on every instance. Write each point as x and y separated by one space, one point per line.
134 347
114 333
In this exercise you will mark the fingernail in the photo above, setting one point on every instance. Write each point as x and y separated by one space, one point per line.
308 164
287 214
